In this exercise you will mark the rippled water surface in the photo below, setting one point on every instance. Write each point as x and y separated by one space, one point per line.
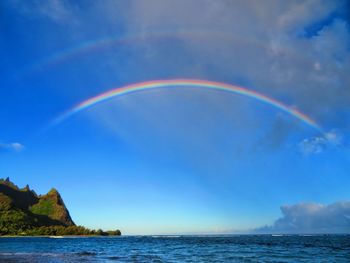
248 248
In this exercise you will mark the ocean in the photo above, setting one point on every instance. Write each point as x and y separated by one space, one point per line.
236 248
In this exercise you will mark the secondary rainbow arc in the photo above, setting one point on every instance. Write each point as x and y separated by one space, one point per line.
94 45
154 84
99 43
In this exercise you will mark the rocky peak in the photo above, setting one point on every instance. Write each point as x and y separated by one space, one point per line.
49 208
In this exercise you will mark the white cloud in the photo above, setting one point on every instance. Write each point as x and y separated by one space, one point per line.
313 145
15 146
318 144
312 218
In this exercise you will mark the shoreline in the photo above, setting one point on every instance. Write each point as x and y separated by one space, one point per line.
65 236
179 235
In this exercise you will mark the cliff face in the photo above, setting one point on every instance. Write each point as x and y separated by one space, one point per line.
23 208
52 205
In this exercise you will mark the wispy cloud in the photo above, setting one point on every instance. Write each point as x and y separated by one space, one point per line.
57 11
312 218
14 146
318 144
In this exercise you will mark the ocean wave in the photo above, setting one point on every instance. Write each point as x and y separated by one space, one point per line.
161 236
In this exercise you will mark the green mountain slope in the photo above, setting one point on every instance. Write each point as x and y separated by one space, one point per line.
23 212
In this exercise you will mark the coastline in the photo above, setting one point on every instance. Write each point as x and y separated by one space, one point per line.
65 236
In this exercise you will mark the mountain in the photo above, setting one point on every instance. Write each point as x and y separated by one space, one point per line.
23 212
52 206
23 208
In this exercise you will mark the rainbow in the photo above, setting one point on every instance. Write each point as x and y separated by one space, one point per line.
89 46
96 45
154 84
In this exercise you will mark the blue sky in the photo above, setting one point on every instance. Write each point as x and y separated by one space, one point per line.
179 160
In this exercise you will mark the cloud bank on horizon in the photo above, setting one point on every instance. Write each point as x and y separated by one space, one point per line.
306 218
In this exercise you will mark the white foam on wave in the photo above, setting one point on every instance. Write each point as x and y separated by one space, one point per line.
161 236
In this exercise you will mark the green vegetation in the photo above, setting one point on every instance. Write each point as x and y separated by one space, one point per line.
16 230
44 207
14 221
24 213
5 202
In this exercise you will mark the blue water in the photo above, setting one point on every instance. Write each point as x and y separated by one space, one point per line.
246 248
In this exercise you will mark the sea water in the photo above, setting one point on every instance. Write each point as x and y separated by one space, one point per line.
236 248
